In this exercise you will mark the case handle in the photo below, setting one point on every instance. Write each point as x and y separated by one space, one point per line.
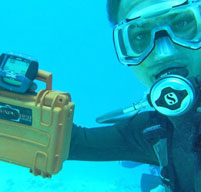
45 77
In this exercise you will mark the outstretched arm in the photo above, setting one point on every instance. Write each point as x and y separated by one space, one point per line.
123 141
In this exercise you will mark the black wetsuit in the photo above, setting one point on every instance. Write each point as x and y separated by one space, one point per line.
134 139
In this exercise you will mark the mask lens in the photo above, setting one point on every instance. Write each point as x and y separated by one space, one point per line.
184 26
139 39
132 42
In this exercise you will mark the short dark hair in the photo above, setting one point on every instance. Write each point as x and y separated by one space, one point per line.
113 9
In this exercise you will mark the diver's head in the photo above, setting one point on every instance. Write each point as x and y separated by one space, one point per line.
157 37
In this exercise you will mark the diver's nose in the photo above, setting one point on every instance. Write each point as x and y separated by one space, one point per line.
164 46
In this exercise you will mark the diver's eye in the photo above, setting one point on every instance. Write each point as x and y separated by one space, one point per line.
140 36
182 23
185 27
139 41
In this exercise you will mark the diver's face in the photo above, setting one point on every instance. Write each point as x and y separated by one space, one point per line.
165 55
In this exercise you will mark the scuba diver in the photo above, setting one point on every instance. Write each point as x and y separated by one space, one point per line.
160 41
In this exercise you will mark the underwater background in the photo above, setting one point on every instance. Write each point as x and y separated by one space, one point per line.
73 40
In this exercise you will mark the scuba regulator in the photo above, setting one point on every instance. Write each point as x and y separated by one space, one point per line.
171 95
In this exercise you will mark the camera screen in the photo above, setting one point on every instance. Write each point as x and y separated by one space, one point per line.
15 67
18 67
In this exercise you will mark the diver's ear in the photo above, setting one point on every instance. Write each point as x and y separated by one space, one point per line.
33 87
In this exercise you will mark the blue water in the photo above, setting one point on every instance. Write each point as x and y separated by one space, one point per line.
73 40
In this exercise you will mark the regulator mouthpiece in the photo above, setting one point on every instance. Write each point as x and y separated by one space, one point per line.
172 95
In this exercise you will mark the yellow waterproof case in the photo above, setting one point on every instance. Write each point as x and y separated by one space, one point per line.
35 129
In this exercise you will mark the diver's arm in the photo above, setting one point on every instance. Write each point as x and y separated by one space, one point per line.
115 142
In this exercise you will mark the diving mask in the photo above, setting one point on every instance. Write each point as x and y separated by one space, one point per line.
134 38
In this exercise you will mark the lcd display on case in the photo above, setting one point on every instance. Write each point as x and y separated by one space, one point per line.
17 72
15 67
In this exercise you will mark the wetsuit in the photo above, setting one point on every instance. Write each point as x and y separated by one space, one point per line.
173 143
